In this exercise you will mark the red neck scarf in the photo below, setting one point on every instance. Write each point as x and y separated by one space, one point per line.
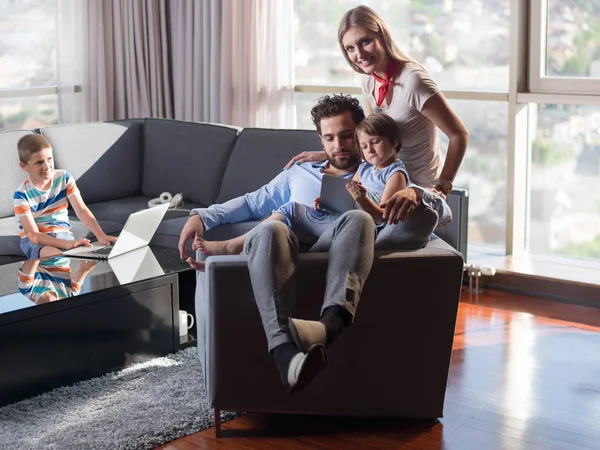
387 82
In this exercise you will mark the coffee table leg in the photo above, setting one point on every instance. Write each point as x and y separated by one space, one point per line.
217 423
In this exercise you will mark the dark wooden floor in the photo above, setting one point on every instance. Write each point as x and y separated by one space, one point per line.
525 374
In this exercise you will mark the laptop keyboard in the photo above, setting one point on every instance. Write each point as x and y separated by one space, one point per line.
101 251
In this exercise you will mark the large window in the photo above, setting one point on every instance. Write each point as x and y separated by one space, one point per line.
533 162
565 46
564 210
28 45
438 34
463 44
28 63
28 112
483 170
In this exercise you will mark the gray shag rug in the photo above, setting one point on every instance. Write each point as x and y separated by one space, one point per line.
141 407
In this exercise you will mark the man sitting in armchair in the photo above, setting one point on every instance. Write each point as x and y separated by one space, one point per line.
272 248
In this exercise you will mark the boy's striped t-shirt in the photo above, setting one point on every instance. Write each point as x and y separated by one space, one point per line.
49 207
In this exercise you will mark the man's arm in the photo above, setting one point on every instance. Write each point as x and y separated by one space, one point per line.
257 205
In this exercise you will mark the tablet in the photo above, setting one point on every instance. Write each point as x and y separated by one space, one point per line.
334 197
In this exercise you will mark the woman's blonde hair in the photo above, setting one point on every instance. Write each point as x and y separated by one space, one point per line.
364 17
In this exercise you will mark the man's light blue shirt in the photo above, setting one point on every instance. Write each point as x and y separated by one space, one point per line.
300 183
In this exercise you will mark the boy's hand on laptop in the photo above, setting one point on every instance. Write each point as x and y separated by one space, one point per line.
78 243
106 239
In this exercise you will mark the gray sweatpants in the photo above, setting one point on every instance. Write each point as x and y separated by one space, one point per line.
410 234
272 250
309 224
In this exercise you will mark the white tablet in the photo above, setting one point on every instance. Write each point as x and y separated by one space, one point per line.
334 197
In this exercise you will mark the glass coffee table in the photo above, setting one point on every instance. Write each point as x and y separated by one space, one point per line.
63 320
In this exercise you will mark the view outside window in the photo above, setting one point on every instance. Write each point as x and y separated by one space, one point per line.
464 44
573 38
28 112
565 175
483 170
27 58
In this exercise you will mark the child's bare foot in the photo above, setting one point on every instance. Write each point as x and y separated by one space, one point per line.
229 247
197 265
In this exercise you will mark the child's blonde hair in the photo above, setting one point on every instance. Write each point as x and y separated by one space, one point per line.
31 144
382 125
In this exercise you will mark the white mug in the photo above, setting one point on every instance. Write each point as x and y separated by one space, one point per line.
186 321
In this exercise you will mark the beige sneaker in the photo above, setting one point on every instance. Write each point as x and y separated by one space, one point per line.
307 333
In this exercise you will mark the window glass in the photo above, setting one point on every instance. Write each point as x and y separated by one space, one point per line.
483 170
463 44
28 112
564 215
27 44
573 38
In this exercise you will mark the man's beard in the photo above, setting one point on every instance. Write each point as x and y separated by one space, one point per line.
342 164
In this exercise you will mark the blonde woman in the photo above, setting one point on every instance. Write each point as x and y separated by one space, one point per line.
394 84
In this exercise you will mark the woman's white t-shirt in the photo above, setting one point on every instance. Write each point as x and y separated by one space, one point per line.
420 145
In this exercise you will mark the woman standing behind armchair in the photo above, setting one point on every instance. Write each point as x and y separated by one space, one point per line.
395 84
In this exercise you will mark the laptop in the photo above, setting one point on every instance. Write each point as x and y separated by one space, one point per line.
136 233
334 197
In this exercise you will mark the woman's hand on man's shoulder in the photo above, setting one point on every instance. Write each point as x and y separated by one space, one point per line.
304 157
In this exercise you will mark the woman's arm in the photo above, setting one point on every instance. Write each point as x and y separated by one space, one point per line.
395 183
437 109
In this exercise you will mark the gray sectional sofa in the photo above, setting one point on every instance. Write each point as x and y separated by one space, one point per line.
395 359
119 166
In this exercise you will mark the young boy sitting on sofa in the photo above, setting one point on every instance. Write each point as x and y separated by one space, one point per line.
41 203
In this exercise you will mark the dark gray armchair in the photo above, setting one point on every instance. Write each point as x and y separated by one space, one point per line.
393 361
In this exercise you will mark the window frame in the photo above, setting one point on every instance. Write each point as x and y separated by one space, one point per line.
539 82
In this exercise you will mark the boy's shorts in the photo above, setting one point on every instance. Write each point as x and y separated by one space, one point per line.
32 251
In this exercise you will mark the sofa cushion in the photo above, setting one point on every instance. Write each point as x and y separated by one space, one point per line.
11 175
9 236
104 158
118 210
185 157
168 232
173 227
259 155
